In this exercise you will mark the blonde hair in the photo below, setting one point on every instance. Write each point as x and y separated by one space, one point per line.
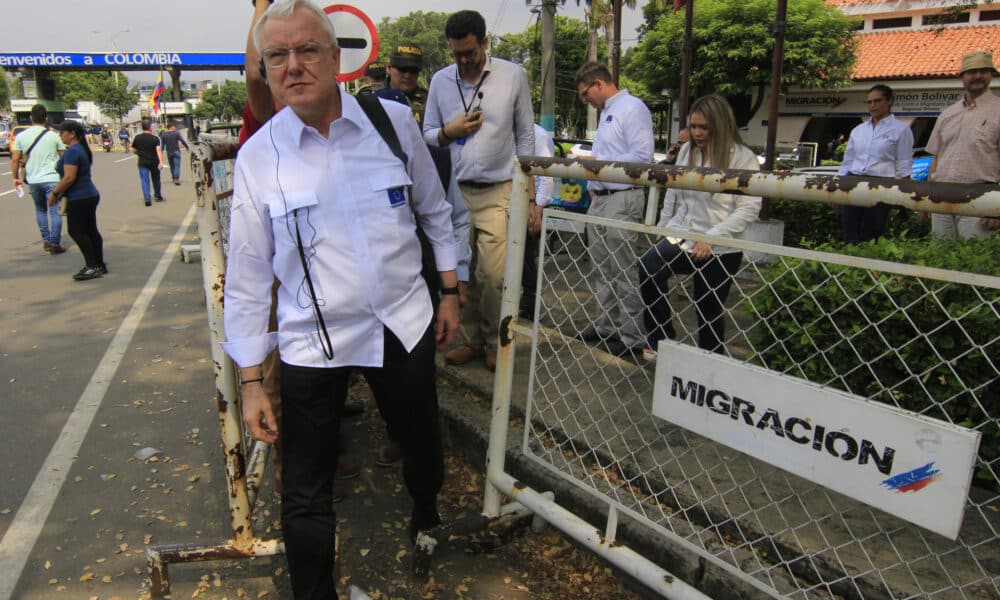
723 133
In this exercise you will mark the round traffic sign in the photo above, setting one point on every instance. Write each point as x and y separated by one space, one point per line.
357 37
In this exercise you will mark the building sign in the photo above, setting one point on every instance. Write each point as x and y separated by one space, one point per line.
913 467
121 60
914 103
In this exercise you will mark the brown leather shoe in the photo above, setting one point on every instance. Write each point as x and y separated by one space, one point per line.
346 469
56 249
389 454
491 360
459 355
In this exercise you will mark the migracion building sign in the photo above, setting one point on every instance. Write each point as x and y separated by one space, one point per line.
916 468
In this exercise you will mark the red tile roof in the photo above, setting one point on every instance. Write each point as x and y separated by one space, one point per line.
853 2
922 53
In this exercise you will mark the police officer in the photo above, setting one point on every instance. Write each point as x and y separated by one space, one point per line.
374 78
404 70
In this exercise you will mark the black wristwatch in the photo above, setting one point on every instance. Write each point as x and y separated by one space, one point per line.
449 291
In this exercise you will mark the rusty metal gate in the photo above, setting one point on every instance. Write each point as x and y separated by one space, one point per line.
913 338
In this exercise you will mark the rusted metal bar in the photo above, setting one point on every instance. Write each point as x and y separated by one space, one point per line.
970 199
158 558
243 542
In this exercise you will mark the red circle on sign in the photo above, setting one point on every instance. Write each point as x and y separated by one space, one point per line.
372 31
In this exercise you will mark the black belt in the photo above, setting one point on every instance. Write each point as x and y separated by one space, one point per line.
608 192
480 184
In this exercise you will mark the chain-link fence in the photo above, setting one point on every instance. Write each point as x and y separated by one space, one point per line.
907 336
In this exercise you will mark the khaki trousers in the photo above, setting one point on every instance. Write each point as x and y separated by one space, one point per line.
614 254
488 208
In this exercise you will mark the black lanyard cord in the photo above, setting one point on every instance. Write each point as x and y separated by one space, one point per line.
475 91
324 339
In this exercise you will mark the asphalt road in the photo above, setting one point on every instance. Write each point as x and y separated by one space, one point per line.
91 372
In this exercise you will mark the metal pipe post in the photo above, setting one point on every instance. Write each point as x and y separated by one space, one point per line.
517 226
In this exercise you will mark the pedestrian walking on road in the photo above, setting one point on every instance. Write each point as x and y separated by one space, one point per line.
82 196
147 147
291 185
171 140
39 150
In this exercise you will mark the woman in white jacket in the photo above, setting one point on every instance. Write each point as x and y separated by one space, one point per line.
716 143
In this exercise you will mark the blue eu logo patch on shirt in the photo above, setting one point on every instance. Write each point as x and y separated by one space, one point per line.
397 196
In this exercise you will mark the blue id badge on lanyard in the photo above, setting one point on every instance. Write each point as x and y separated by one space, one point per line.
397 196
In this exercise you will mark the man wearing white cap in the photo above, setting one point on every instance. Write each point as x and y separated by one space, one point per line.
966 145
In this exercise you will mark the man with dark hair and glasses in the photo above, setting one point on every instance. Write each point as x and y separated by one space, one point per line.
480 107
624 133
345 251
404 71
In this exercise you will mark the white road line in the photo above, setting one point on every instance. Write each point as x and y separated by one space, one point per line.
7 173
10 192
126 158
34 511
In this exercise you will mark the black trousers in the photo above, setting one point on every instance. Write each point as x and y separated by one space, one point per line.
82 217
712 280
864 223
405 390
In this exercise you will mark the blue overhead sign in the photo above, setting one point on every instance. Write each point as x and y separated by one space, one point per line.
122 60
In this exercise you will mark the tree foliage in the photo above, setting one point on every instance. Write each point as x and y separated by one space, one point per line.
423 29
74 86
525 49
222 102
114 99
4 91
733 42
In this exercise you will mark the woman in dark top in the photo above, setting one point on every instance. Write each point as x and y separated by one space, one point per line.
78 188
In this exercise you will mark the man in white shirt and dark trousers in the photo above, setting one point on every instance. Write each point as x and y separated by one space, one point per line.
480 107
624 133
345 250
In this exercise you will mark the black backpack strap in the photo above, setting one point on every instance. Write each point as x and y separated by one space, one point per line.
380 119
442 160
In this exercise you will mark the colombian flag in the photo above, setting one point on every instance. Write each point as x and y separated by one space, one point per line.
154 100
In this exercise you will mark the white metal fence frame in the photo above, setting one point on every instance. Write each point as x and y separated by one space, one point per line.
973 200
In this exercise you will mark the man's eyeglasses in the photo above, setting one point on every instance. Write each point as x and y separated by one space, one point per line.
308 53
585 91
874 101
408 70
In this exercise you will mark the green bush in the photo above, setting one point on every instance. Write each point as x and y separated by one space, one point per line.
808 224
924 345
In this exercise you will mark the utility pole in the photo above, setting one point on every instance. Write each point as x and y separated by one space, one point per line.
686 52
777 62
616 43
548 118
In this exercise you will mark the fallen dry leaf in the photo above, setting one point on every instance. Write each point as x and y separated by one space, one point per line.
86 577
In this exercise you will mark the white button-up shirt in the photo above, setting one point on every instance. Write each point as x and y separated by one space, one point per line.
544 146
884 149
723 215
508 118
624 133
349 197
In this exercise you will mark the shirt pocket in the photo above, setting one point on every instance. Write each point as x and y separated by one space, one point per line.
390 193
988 135
297 210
